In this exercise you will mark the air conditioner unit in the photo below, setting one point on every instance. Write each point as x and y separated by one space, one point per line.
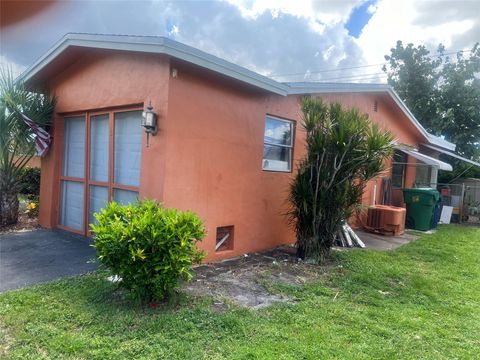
387 220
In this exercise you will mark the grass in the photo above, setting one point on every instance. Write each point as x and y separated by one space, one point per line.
421 301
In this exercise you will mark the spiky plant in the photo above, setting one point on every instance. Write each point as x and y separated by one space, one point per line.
344 151
17 142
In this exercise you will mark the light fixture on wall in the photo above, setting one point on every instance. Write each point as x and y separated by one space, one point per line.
149 121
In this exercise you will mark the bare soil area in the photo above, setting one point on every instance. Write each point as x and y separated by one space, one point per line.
24 224
248 280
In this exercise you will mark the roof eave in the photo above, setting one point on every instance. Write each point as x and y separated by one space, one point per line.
159 46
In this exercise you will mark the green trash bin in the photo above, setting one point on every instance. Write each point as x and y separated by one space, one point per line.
421 204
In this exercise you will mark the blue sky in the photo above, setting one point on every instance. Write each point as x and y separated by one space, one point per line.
359 18
290 40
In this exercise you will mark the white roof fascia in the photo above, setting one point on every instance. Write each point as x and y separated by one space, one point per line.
425 158
438 141
298 88
157 45
456 156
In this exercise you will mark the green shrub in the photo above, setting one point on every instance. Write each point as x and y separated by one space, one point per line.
30 182
151 248
345 150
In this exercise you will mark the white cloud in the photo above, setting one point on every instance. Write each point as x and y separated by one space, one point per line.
8 65
325 11
392 22
297 37
278 132
174 31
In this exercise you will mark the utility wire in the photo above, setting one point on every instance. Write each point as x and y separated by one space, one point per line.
354 76
360 66
329 70
343 78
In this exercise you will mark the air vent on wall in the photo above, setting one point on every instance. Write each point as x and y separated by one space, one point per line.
224 238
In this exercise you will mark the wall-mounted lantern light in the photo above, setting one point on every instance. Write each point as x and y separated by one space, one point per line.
149 121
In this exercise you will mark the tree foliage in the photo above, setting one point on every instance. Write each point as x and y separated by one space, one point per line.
443 92
344 151
17 142
413 74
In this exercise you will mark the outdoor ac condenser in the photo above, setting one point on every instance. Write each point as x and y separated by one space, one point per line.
387 220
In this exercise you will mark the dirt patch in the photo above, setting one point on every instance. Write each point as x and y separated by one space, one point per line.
6 340
249 280
24 224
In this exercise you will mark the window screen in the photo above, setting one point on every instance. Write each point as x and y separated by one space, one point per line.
98 201
99 128
278 143
125 197
71 212
74 147
128 146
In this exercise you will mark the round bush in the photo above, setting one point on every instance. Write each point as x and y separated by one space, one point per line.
30 182
151 248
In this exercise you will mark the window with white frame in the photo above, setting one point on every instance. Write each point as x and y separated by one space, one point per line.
278 144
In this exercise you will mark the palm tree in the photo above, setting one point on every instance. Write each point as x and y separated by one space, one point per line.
344 151
17 140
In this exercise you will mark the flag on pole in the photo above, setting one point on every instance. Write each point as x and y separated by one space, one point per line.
42 137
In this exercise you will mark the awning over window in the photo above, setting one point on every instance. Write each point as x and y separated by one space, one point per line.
425 158
456 156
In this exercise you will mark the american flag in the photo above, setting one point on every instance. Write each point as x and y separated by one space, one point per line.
42 138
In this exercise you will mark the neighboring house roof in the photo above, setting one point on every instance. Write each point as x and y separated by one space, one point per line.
162 45
456 156
441 165
318 88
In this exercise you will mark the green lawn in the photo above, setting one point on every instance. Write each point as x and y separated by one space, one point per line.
421 301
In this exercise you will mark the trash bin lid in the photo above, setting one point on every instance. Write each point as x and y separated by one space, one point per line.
423 191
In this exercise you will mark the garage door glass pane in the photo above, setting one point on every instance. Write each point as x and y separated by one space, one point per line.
71 212
74 147
128 146
99 148
98 201
125 197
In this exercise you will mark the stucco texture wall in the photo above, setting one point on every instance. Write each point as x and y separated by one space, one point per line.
207 155
105 80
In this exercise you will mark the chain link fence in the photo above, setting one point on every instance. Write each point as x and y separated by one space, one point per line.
463 195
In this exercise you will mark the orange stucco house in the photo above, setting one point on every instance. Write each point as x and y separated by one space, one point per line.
220 148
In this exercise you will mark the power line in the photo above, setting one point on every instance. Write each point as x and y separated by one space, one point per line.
367 79
329 70
347 77
360 66
381 74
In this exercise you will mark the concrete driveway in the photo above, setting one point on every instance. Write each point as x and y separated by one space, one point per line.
37 256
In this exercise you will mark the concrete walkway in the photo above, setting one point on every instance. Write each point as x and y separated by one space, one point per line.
37 256
384 242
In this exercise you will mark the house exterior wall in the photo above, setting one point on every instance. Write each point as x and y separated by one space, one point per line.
214 160
207 155
102 81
